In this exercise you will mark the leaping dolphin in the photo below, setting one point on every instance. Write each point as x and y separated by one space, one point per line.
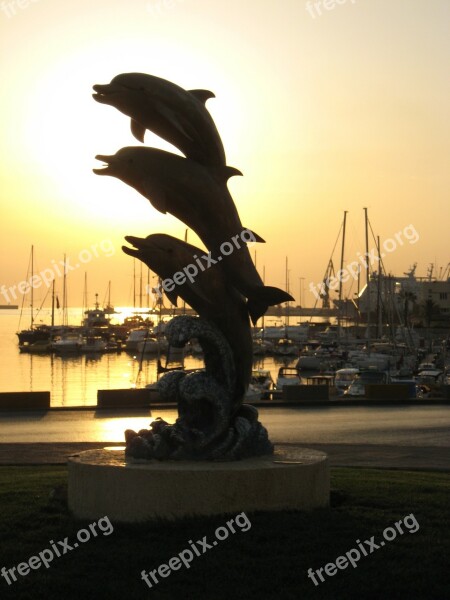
175 114
199 197
209 295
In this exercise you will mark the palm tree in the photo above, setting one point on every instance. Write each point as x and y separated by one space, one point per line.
407 299
429 310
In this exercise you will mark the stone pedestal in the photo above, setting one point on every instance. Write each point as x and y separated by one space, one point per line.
102 483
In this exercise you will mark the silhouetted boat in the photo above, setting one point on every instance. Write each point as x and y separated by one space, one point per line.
287 376
68 343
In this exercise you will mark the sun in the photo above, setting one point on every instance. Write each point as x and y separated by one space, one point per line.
63 129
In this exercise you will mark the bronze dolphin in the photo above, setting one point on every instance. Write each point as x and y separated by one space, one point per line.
198 196
175 114
209 294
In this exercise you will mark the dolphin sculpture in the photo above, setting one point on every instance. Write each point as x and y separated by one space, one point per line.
198 196
175 114
209 295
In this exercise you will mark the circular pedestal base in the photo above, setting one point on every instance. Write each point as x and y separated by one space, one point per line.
102 483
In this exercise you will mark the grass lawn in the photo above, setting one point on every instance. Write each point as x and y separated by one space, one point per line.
269 561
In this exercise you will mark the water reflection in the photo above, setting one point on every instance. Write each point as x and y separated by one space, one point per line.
74 380
112 428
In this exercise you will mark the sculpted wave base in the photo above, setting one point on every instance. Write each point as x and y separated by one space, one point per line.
102 483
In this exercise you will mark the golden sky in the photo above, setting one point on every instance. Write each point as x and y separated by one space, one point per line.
322 109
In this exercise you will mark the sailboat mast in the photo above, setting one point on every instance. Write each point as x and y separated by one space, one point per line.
185 239
287 290
32 288
65 316
53 306
379 312
341 271
85 306
160 300
140 287
264 282
134 283
367 279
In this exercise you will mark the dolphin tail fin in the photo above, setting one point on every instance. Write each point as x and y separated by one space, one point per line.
202 95
262 298
257 237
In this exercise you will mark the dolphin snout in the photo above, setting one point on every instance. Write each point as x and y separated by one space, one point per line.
108 160
104 92
136 241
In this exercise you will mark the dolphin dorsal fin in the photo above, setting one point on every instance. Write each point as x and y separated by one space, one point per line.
137 130
202 95
224 173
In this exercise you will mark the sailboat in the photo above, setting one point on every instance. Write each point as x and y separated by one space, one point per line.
35 333
154 342
285 346
261 346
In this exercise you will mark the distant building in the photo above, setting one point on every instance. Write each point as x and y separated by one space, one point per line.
397 296
439 293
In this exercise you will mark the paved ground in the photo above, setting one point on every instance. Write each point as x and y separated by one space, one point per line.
421 426
398 437
358 455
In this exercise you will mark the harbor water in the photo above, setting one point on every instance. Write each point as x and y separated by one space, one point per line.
73 380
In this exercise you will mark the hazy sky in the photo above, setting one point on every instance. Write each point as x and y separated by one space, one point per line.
323 110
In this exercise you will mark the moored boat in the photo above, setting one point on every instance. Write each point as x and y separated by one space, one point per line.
285 347
68 343
287 376
38 347
93 343
344 378
308 363
135 336
152 345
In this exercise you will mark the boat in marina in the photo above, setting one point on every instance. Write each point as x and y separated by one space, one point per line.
285 347
308 362
366 377
28 337
135 336
262 379
71 342
38 347
344 378
152 345
93 343
262 347
298 333
253 394
287 376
